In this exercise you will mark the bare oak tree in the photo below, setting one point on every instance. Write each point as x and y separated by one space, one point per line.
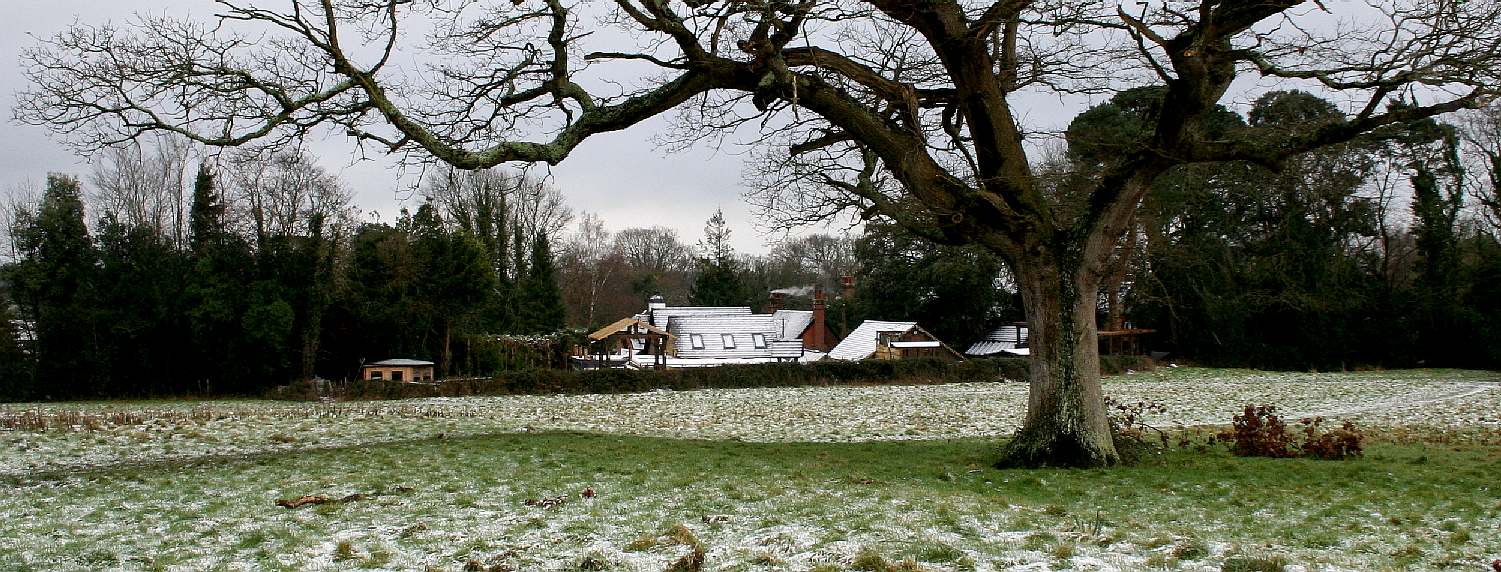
907 110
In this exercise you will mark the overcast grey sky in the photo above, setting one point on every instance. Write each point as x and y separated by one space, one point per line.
621 176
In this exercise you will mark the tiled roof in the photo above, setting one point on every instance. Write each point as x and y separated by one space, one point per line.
861 342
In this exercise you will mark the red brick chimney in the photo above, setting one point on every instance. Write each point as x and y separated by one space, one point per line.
820 341
847 283
778 299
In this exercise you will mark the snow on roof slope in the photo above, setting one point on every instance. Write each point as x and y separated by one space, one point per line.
661 316
1006 339
861 342
400 363
793 322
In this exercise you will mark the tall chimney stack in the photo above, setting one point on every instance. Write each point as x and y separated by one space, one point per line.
654 303
847 284
778 300
820 341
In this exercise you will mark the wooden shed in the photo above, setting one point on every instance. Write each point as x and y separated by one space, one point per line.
403 370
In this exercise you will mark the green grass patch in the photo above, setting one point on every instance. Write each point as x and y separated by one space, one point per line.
905 505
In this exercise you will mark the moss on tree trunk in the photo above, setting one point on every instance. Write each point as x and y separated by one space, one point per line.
1066 423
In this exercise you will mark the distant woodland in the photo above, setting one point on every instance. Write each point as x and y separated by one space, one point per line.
169 271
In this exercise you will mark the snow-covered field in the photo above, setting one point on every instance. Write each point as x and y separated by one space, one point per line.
77 502
94 435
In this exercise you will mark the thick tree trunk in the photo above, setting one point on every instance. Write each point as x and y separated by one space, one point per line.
1066 423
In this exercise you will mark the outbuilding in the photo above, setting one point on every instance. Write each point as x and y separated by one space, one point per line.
403 370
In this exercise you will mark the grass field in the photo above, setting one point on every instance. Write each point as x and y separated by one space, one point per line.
882 485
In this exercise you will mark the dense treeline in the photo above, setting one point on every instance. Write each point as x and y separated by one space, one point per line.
1358 255
255 272
264 278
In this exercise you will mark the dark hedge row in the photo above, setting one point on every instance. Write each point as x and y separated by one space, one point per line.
553 381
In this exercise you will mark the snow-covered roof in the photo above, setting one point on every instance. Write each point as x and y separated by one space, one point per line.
659 317
712 330
793 322
400 363
861 342
1010 338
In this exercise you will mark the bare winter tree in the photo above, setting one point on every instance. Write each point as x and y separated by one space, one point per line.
824 256
17 209
588 262
143 183
655 250
279 193
908 110
1481 131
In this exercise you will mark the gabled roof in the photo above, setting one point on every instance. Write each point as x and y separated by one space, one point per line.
712 329
400 363
861 342
793 322
621 325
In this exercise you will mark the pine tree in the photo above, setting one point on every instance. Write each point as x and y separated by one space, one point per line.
206 216
215 294
542 298
720 281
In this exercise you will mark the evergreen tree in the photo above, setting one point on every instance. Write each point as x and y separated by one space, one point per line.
55 282
457 282
542 299
15 384
206 215
719 281
1254 267
387 317
215 295
951 291
139 304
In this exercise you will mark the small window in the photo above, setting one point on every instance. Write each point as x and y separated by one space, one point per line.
759 340
375 374
698 341
729 341
395 375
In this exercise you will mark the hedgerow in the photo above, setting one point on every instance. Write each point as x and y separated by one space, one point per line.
565 382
